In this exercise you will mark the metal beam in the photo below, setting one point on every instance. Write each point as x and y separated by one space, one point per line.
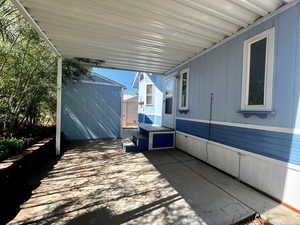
35 25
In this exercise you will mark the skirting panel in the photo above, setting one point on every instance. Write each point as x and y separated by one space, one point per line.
276 178
192 145
223 158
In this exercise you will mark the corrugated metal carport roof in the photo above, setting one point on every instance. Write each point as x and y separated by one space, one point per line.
144 35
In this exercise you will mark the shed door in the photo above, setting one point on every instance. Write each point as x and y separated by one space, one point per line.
169 102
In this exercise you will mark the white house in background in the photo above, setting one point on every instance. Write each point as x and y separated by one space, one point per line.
130 110
150 97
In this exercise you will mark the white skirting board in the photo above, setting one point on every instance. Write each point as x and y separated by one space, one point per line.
278 179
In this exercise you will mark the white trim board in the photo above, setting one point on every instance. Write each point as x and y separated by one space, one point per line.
244 152
174 99
58 106
259 21
151 114
106 78
121 111
182 72
251 126
99 83
269 35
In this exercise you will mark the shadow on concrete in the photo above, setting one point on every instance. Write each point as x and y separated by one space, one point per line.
104 216
20 191
95 182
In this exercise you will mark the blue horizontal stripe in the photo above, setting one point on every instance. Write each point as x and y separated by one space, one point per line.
194 128
276 145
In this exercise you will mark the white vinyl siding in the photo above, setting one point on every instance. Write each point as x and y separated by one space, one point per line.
258 72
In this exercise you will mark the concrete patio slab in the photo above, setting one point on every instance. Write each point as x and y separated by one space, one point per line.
96 183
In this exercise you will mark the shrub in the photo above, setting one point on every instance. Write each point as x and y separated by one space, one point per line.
28 141
3 155
10 147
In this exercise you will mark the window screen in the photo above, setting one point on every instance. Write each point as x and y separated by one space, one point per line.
257 72
168 105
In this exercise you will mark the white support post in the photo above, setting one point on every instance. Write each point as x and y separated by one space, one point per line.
122 111
58 106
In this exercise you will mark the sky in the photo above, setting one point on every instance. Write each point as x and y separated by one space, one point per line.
121 76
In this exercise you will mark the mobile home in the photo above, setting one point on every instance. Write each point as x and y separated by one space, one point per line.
237 106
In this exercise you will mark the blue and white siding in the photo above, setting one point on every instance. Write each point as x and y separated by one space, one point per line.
150 114
264 152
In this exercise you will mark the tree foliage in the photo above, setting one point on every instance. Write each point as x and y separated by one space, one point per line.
27 72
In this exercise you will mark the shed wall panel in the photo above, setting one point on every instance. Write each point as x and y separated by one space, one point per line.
91 111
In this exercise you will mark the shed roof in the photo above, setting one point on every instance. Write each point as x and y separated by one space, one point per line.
99 79
93 74
130 98
146 35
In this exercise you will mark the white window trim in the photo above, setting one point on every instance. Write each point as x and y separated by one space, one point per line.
268 89
187 71
153 89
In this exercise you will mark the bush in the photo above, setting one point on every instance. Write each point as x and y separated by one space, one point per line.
28 142
22 139
10 147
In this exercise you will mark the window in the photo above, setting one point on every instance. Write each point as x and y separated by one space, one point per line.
169 85
168 105
149 94
258 72
184 90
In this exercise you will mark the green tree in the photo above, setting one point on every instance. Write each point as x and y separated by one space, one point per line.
27 72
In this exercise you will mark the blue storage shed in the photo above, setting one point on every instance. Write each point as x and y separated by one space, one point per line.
91 108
